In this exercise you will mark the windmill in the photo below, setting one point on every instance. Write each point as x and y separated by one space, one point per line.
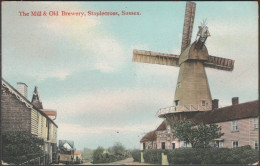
192 91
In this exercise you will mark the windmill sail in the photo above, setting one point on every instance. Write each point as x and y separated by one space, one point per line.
155 58
188 25
220 63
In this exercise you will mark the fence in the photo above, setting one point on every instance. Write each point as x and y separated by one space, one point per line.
42 160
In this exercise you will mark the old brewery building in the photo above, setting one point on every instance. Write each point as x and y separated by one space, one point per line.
239 123
21 115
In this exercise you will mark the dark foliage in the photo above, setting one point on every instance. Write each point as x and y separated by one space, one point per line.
241 155
153 156
19 147
136 154
197 135
114 153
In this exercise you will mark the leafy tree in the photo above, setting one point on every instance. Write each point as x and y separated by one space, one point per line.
118 149
197 135
19 147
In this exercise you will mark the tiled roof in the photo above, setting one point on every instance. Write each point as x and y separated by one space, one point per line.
49 113
27 101
77 152
162 126
151 136
233 112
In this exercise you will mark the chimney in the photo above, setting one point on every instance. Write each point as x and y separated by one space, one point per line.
235 100
214 104
22 88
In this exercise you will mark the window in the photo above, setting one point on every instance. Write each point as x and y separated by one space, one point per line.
163 145
256 123
143 146
183 144
203 102
234 144
220 144
176 102
256 145
173 145
155 146
234 125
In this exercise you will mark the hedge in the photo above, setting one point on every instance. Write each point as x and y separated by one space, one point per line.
136 154
153 156
240 155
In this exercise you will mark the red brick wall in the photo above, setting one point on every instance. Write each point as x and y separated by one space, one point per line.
15 115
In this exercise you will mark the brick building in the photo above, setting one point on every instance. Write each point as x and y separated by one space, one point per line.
239 123
19 114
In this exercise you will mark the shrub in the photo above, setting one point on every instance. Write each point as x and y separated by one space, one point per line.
136 154
241 155
114 153
19 147
118 149
153 156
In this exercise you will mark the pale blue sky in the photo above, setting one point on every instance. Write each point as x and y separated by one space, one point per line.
83 66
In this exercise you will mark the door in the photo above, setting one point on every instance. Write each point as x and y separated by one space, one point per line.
173 145
163 145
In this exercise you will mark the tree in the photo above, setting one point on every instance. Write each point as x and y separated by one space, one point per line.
19 147
118 149
197 135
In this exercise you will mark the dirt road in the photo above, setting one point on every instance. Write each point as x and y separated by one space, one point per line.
128 161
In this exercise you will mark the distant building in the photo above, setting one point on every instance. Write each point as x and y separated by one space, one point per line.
78 157
239 123
21 115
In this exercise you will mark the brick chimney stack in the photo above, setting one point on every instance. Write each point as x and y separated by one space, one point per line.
235 100
214 104
22 88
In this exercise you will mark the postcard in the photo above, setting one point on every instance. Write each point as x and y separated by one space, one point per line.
133 83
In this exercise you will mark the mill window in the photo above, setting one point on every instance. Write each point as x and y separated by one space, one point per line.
176 102
234 125
256 123
220 144
234 144
256 145
203 103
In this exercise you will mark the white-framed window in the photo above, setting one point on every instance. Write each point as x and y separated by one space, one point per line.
256 123
220 144
234 144
234 125
183 144
256 145
203 103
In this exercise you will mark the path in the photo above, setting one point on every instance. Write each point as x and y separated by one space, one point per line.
128 161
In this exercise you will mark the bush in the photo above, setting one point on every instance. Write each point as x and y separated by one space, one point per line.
136 154
117 149
241 155
114 153
19 147
153 156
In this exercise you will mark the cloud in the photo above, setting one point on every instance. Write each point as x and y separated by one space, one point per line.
108 102
79 129
58 47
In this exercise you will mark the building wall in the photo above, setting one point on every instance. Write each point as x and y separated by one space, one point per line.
19 115
148 145
15 115
245 135
167 138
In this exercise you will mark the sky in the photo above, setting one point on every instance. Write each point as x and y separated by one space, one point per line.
83 65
